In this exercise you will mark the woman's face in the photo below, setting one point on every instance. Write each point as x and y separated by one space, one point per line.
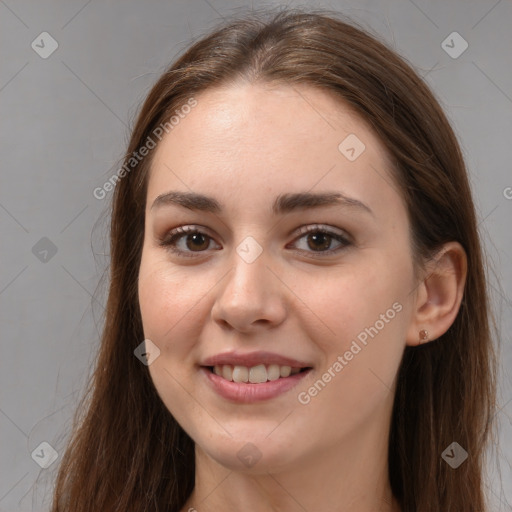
275 279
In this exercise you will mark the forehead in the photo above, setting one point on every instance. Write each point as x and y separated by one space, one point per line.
252 140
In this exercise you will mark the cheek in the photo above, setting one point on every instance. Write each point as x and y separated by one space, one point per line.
168 301
348 300
169 308
366 311
363 314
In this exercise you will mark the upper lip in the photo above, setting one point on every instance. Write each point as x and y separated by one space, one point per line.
252 359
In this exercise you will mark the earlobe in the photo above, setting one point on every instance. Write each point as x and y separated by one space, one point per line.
423 336
439 295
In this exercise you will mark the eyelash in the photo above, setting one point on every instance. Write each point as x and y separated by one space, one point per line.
170 240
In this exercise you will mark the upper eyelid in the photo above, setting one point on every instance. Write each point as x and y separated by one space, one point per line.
303 229
307 228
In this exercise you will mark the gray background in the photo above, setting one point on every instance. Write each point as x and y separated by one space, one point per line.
65 122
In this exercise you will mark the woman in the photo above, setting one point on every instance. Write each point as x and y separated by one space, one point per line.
297 316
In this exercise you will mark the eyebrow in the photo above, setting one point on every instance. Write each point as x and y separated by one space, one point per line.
284 203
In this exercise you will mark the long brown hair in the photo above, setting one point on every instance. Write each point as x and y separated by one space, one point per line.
127 452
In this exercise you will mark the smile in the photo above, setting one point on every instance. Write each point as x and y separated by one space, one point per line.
248 385
255 374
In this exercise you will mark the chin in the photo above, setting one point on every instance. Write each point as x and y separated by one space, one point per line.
256 454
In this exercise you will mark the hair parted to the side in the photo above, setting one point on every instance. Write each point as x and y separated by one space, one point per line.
127 452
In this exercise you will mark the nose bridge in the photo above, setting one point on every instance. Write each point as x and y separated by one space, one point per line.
250 273
251 293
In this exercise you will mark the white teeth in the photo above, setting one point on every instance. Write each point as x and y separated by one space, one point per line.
255 374
240 374
258 374
285 371
273 372
227 372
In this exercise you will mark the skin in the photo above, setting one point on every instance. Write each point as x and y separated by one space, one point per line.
244 144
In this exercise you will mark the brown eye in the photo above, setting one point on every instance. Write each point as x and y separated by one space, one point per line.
187 240
320 240
196 241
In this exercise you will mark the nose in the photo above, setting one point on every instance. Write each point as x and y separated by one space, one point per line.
250 297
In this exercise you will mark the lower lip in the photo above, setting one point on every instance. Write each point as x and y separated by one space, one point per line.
246 392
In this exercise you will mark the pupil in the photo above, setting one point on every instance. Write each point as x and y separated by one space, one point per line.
318 237
196 237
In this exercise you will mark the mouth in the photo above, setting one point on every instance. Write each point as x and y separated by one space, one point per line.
258 374
242 384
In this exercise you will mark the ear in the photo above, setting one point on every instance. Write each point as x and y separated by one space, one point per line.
439 294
